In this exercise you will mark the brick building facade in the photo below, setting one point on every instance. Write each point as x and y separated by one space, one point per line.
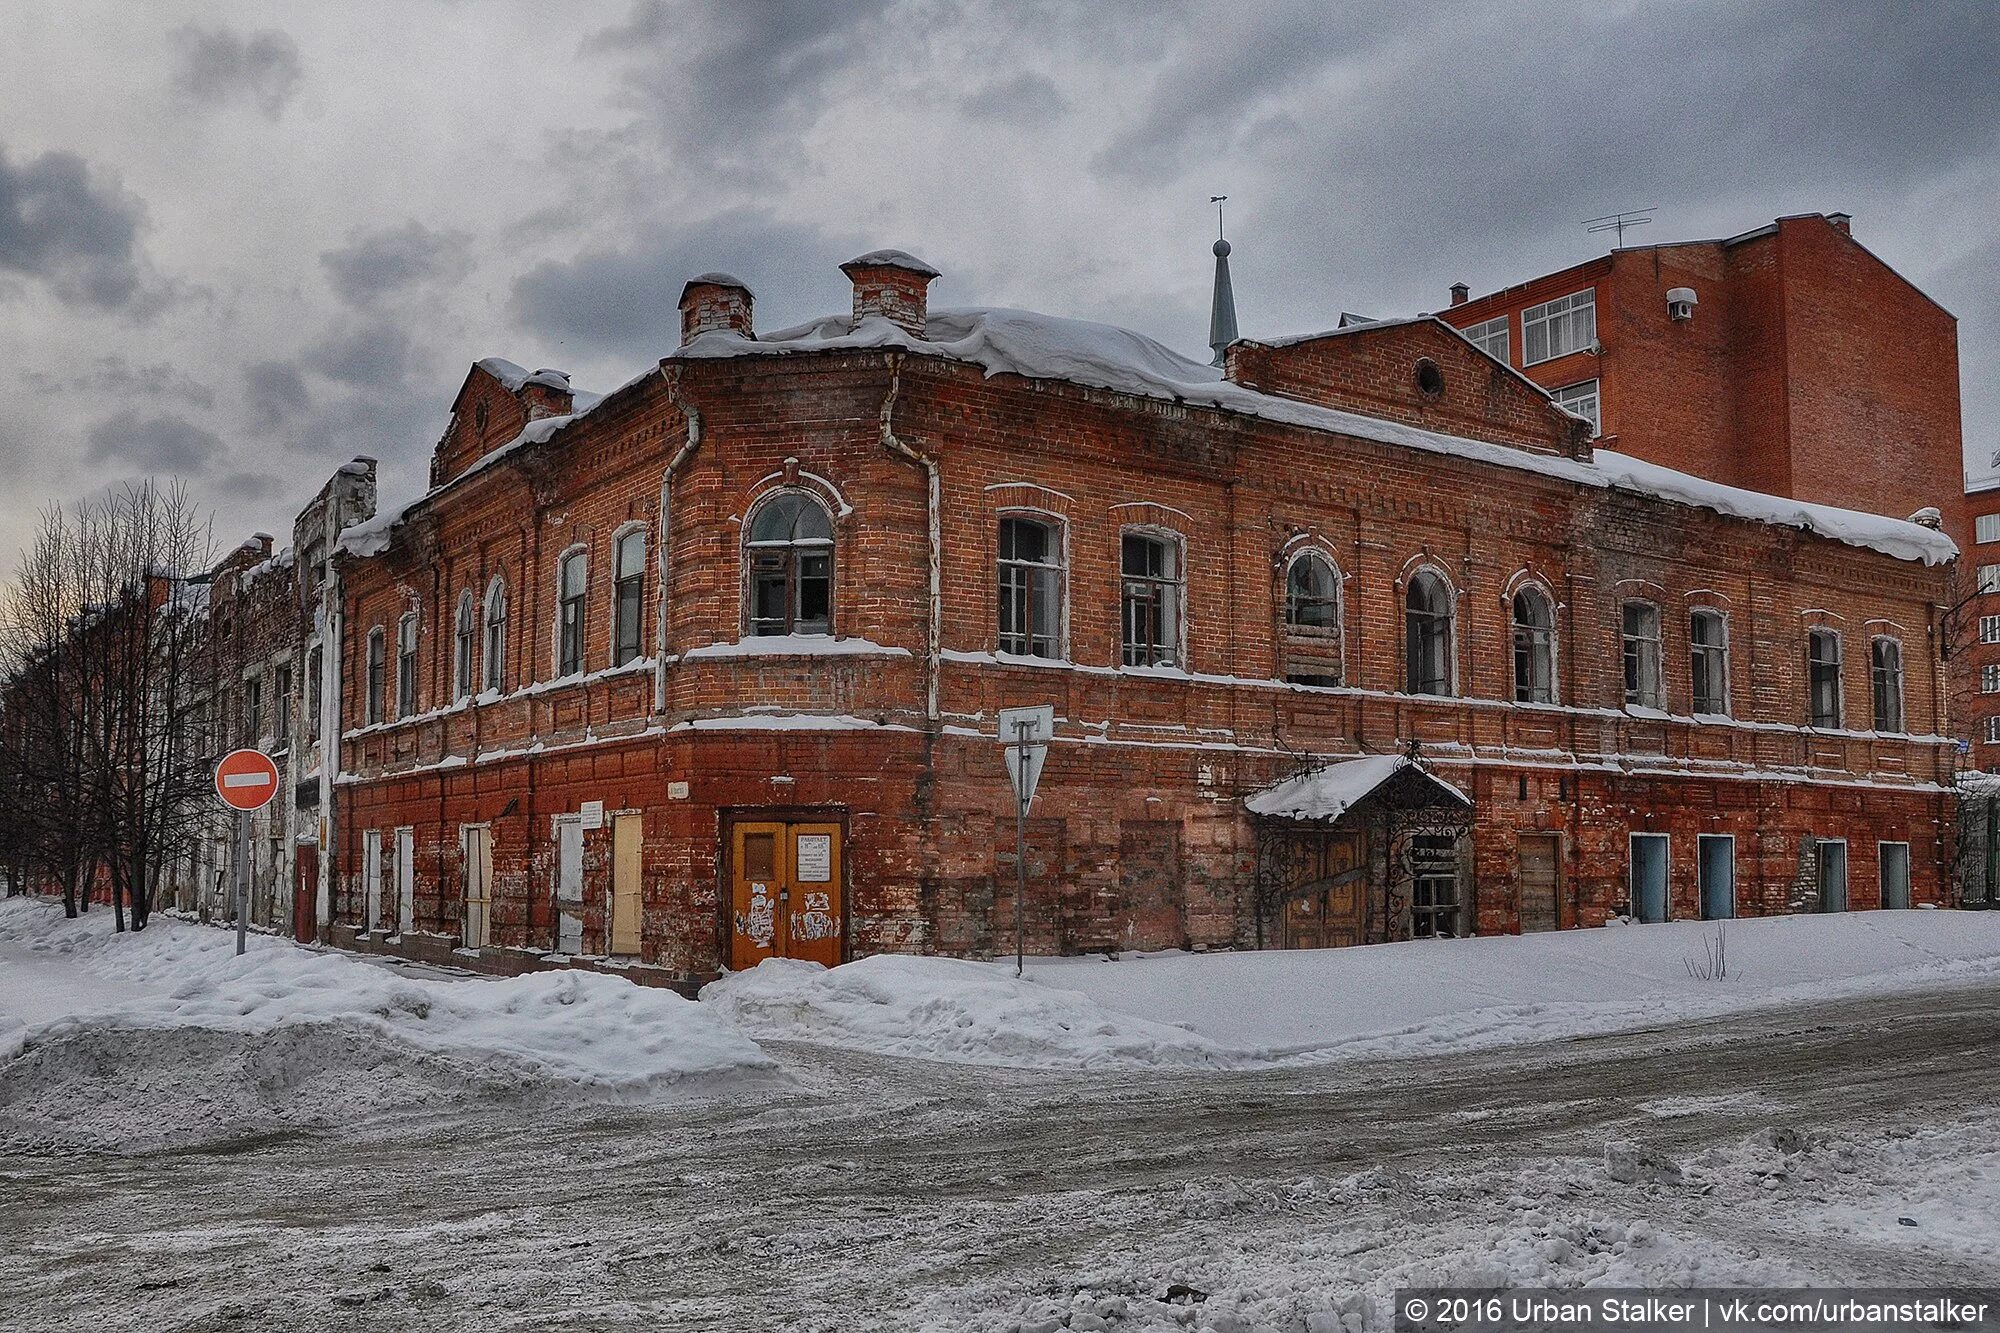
1359 640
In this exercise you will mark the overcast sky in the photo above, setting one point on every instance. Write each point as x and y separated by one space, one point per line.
243 243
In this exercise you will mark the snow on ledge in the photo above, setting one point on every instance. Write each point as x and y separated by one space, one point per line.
796 645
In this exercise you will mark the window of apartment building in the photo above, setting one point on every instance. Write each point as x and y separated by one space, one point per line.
572 577
284 701
1582 400
628 589
1986 528
1559 327
494 652
406 665
1433 860
1312 621
1427 635
1150 600
1534 647
1823 677
790 549
465 638
378 665
1708 661
1989 578
1491 338
1031 583
1886 674
1645 686
1989 679
1989 629
253 710
1993 731
315 665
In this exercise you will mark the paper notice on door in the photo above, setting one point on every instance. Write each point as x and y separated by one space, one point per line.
813 860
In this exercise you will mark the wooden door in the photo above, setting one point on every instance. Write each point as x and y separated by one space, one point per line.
305 895
478 887
371 880
626 832
1539 882
1325 911
406 881
785 893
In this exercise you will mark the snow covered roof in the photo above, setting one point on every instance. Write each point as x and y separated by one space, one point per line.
715 280
1330 792
509 374
1103 356
891 259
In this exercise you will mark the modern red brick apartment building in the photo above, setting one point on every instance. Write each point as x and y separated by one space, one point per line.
1357 637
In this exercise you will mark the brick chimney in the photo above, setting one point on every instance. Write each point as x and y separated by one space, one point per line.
546 393
1460 293
715 301
1842 222
891 285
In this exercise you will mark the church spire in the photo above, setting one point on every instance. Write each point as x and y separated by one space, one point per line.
1222 313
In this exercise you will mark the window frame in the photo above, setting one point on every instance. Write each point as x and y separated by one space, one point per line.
406 664
1426 909
1897 724
1983 525
1483 333
1541 640
628 587
1815 635
1596 412
1167 599
375 677
493 637
1988 579
1308 642
1638 665
571 609
281 692
1989 678
1989 629
315 682
1545 315
1719 651
465 640
1447 618
790 553
1054 568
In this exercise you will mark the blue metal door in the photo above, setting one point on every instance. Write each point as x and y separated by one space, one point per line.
1832 858
1895 860
1649 876
1718 877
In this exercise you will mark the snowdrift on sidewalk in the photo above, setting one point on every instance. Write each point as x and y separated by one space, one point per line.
1429 996
290 1036
954 1010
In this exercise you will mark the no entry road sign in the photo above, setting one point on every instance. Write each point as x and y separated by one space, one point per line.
246 779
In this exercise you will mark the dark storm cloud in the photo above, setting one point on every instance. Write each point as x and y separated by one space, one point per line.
71 229
160 445
1026 99
377 264
625 302
118 377
373 356
725 84
215 66
275 392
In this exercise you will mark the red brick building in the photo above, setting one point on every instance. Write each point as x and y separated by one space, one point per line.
708 668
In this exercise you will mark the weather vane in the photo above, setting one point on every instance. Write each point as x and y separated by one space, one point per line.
1218 200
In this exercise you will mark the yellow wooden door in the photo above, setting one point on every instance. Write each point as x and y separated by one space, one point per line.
812 926
625 871
757 872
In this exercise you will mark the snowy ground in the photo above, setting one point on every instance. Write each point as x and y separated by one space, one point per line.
847 1190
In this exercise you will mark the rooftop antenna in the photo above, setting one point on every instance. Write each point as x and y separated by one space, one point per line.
1222 312
1618 222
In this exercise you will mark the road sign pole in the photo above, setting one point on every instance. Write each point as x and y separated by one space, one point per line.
1022 731
242 877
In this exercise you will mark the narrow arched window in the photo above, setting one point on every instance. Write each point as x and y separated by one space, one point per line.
1534 647
1312 621
1708 661
1887 678
1031 587
1645 683
572 578
1151 597
494 675
628 573
406 665
1823 678
790 549
465 640
378 666
1427 634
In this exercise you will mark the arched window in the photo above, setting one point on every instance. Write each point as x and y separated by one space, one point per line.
1887 676
790 548
628 574
1645 682
1427 634
1708 661
1150 600
465 639
1823 678
1312 621
573 576
378 666
494 676
1534 647
406 665
1031 587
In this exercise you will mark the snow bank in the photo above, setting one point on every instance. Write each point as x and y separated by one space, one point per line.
954 1010
1039 346
201 1043
1441 995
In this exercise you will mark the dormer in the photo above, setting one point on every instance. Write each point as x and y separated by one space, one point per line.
1420 372
495 403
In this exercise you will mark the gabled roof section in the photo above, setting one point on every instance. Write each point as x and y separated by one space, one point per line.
1323 795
